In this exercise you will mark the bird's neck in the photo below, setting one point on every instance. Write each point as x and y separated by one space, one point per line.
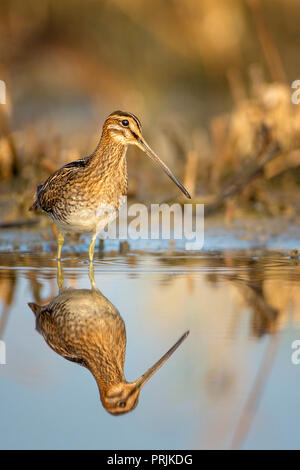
108 163
106 375
110 153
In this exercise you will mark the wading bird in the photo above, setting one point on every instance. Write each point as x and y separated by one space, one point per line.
85 195
83 326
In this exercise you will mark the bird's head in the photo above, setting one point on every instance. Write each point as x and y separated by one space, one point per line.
126 129
123 397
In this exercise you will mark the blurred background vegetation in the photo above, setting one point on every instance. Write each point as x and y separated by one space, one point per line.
210 81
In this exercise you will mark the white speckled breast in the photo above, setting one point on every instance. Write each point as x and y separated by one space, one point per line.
87 220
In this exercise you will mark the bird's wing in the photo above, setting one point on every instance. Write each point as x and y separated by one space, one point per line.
48 193
46 325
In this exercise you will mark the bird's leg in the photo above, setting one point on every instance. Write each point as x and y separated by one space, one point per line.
60 275
92 275
60 242
92 247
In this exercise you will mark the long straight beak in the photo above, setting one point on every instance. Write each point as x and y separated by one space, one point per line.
145 377
145 147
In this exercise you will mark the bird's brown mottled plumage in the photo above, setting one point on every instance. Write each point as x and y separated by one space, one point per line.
84 327
87 182
79 195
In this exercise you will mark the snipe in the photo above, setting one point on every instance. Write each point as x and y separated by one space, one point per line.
76 197
83 326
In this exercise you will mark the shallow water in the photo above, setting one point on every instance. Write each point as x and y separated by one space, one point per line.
231 383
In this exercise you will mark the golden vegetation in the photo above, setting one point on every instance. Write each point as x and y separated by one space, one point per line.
207 78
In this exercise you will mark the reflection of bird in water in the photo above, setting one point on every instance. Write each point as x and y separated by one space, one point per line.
84 195
84 327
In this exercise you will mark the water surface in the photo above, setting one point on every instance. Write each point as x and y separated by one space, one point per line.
231 383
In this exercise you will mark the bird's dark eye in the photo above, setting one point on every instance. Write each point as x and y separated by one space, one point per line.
122 404
125 123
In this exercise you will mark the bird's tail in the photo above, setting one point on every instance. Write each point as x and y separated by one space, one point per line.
35 308
34 206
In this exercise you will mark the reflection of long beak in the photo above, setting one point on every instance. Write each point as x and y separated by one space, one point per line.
145 377
145 147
